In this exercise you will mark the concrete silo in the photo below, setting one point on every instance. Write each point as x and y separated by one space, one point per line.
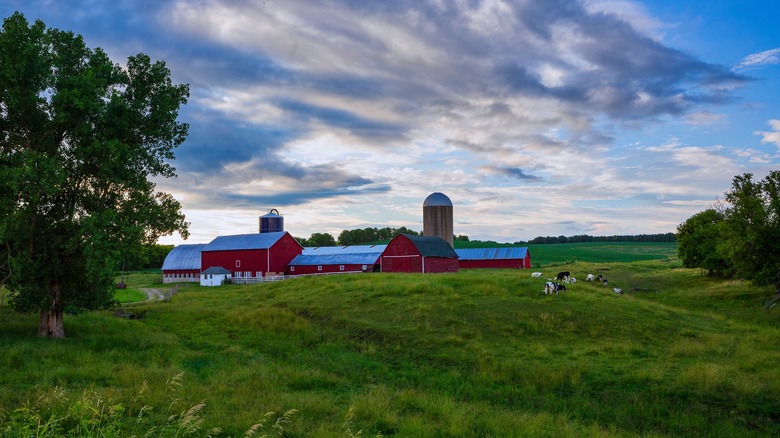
437 217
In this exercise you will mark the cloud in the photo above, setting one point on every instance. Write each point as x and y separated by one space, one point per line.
772 136
767 57
348 107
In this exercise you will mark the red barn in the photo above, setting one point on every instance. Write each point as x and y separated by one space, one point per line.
511 257
337 260
251 255
426 254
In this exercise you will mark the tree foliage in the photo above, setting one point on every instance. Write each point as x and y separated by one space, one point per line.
744 238
697 241
80 138
369 235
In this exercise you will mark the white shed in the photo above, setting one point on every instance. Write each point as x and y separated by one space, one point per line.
214 276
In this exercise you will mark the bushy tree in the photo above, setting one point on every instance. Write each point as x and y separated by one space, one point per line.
698 239
79 139
751 235
321 239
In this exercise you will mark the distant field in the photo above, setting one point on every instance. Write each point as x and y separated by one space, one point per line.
474 353
602 252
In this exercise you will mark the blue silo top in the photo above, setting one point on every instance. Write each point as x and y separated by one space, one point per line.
437 199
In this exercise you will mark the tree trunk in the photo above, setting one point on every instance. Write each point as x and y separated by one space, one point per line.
51 320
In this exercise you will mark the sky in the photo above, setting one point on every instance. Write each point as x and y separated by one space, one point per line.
535 117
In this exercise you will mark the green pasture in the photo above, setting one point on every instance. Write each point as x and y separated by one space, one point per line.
601 252
474 353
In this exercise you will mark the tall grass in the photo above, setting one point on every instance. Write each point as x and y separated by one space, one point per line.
477 353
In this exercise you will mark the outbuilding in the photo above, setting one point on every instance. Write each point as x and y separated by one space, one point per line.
182 264
252 256
214 276
426 254
337 260
507 257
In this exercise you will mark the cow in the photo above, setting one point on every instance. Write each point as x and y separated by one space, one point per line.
536 274
600 277
618 290
552 287
572 280
563 276
605 282
589 277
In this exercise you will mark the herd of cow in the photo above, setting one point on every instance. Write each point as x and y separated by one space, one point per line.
564 277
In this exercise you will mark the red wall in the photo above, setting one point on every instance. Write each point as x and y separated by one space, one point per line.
441 264
312 269
282 253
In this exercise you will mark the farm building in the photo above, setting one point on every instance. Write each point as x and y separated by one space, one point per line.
337 259
500 257
214 276
182 264
426 254
251 255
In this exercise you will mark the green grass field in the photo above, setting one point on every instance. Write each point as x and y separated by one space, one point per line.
476 353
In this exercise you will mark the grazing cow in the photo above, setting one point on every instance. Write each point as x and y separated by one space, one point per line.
618 290
561 287
573 280
605 282
589 277
536 274
600 277
563 275
550 287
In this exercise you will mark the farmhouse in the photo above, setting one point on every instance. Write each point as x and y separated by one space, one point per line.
182 264
249 256
500 257
337 259
426 254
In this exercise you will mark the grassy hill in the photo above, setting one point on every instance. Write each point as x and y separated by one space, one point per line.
477 353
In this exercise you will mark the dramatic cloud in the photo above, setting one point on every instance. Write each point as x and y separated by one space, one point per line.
349 114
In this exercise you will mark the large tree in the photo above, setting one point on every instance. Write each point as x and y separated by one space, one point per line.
697 241
751 234
80 138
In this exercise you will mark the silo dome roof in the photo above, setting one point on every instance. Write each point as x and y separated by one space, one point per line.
437 200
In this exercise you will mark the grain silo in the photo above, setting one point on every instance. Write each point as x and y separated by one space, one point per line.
437 217
271 222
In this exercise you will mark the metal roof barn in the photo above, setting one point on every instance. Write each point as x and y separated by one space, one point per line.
337 259
499 257
252 255
182 264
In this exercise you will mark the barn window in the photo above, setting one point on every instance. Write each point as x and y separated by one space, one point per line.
247 274
292 268
319 268
365 267
238 274
258 274
341 267
238 263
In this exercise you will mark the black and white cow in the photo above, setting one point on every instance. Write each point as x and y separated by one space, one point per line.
563 276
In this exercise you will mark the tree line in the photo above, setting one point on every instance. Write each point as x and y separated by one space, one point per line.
738 237
664 237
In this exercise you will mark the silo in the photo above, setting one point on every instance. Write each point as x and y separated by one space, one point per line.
271 222
437 217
